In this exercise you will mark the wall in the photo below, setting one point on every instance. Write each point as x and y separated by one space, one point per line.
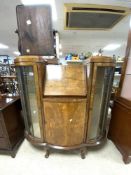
126 89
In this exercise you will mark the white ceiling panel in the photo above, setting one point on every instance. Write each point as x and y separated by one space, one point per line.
72 41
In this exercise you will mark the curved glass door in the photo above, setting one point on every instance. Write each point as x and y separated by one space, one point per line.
99 111
29 99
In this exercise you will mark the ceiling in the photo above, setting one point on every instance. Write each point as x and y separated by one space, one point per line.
75 41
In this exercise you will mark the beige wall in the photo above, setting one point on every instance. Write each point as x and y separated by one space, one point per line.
126 90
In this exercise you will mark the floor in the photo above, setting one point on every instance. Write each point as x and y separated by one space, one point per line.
31 161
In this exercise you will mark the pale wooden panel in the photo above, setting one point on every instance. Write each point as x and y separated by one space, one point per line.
65 80
65 121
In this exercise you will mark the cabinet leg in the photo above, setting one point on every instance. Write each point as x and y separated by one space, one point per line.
13 155
127 159
83 153
47 153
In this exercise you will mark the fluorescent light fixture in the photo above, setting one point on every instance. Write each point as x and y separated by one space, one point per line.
16 53
3 46
95 53
111 47
60 53
43 2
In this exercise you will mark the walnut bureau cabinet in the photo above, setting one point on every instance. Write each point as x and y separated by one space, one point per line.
65 106
11 125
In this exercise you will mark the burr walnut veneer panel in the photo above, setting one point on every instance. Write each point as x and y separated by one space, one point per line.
65 121
65 80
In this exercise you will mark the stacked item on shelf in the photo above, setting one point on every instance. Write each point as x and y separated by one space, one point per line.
117 74
8 83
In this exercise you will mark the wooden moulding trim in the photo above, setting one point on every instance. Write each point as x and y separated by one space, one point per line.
39 97
38 142
91 99
89 85
32 139
124 102
24 64
64 100
105 64
41 80
65 96
100 59
29 59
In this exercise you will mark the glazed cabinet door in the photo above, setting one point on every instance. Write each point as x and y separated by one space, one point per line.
65 121
99 101
28 92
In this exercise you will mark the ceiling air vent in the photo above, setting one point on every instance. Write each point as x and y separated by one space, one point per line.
84 16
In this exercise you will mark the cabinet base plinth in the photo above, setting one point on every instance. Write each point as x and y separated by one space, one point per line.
82 147
83 152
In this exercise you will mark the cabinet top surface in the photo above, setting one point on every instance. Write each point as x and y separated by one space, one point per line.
4 102
27 59
99 59
65 80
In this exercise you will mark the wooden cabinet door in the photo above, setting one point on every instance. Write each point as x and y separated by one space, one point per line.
65 121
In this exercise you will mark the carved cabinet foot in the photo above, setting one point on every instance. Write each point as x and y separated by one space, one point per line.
83 153
13 154
47 153
127 159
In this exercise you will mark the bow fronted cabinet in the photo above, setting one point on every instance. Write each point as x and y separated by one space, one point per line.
65 106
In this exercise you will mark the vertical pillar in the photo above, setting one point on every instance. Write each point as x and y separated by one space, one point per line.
125 82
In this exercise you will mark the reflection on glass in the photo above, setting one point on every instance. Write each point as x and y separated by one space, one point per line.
29 99
100 103
8 100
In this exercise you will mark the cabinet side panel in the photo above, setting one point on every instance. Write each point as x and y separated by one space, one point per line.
120 127
13 122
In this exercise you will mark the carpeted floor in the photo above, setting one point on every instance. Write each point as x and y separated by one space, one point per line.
31 161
